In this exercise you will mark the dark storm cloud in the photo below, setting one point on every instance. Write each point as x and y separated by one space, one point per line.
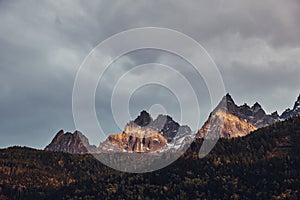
255 44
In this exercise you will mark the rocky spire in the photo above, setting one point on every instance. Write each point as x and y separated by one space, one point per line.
144 119
275 115
257 109
228 98
256 105
297 103
227 104
288 113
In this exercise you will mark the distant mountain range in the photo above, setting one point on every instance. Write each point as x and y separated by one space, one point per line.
140 135
144 134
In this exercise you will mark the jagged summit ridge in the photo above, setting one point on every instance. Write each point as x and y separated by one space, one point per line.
288 113
163 124
75 143
254 114
225 125
234 118
147 135
297 104
230 120
144 119
140 135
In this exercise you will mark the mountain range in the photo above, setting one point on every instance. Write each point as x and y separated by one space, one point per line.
145 134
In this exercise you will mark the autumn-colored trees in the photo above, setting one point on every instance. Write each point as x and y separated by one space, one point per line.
263 165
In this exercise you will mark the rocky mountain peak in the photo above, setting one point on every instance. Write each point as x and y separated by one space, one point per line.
288 113
258 112
163 124
70 142
227 104
275 115
225 125
228 97
297 104
231 120
255 114
59 134
166 126
144 119
147 135
256 106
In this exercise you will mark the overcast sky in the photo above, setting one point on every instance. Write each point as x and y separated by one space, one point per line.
255 44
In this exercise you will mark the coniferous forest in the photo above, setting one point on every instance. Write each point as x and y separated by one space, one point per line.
263 165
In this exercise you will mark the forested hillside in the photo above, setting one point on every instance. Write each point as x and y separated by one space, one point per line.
262 165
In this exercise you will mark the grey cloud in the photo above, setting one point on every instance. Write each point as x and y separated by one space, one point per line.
42 44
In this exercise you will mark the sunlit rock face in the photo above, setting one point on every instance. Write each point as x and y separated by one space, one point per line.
138 139
147 135
230 120
225 125
254 114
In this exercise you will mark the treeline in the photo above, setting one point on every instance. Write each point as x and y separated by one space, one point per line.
262 165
